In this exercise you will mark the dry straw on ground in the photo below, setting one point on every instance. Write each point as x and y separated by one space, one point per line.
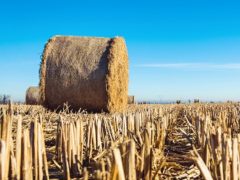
33 96
86 72
194 141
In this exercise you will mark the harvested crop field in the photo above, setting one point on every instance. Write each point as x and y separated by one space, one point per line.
179 141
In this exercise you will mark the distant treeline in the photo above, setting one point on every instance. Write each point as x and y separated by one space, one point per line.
180 102
4 99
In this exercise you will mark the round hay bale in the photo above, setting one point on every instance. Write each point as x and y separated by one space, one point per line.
33 96
86 72
131 100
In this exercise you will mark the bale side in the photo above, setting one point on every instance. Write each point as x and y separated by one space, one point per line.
117 77
33 96
42 71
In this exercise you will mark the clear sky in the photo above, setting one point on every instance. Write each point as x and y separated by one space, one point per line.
178 49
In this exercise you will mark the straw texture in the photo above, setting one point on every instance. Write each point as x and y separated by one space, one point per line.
86 72
33 96
131 100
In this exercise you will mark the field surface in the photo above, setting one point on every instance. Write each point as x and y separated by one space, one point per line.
179 141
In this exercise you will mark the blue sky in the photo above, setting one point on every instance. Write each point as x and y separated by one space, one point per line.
177 49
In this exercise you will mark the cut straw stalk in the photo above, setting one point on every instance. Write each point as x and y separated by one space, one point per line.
201 165
118 168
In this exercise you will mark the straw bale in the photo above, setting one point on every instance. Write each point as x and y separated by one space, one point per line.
85 72
131 100
33 96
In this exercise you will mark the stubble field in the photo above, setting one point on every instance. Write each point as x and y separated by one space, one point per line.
195 141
